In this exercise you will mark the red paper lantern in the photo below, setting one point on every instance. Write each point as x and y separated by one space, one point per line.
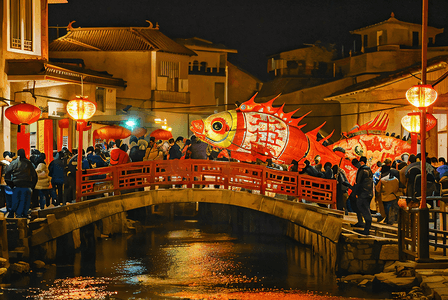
411 122
81 108
113 132
139 131
85 128
421 95
23 114
161 134
95 135
63 123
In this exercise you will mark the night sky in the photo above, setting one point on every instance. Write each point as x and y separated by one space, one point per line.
255 29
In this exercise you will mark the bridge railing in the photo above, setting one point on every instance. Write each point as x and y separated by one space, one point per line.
199 173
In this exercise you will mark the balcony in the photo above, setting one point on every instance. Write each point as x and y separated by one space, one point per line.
207 71
172 97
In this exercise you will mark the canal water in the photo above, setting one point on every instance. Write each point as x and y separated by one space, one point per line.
186 260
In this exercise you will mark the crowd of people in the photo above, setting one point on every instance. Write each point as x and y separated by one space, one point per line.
377 194
31 183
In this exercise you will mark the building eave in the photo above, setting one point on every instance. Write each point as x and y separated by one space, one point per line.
404 75
43 70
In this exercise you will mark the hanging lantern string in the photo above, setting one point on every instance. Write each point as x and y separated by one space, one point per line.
82 87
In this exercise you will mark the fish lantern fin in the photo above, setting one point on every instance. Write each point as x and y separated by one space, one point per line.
326 139
295 122
248 105
379 123
313 133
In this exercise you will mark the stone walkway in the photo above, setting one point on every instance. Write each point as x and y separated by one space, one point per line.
406 280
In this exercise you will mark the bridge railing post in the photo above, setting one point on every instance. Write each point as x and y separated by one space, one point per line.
116 180
423 235
299 188
225 173
263 181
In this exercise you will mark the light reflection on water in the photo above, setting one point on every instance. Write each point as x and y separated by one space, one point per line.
184 260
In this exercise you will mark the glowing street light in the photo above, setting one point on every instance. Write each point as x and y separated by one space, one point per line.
130 123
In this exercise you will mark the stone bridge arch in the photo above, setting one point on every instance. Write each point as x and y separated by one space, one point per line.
310 225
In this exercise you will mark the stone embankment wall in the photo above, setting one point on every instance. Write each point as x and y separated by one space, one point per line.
365 255
82 237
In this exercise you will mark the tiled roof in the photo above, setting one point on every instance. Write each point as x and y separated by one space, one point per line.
117 39
201 43
387 78
391 20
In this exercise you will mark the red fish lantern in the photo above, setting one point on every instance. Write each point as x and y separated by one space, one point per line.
113 132
139 131
258 130
161 134
23 114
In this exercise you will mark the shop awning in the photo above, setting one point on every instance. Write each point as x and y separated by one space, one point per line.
27 70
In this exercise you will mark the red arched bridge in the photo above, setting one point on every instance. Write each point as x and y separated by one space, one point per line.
192 173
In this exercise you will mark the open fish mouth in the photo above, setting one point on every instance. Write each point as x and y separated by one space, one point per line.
198 128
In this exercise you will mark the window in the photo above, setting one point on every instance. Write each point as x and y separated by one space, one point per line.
222 60
379 38
365 41
21 12
169 70
100 98
219 94
415 39
24 26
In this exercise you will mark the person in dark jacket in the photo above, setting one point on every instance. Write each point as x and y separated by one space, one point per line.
34 155
310 170
56 172
96 161
363 190
6 189
22 175
198 148
70 185
138 151
328 171
176 149
341 189
90 151
40 159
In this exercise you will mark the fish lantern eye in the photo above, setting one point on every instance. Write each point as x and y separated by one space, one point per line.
217 126
359 150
